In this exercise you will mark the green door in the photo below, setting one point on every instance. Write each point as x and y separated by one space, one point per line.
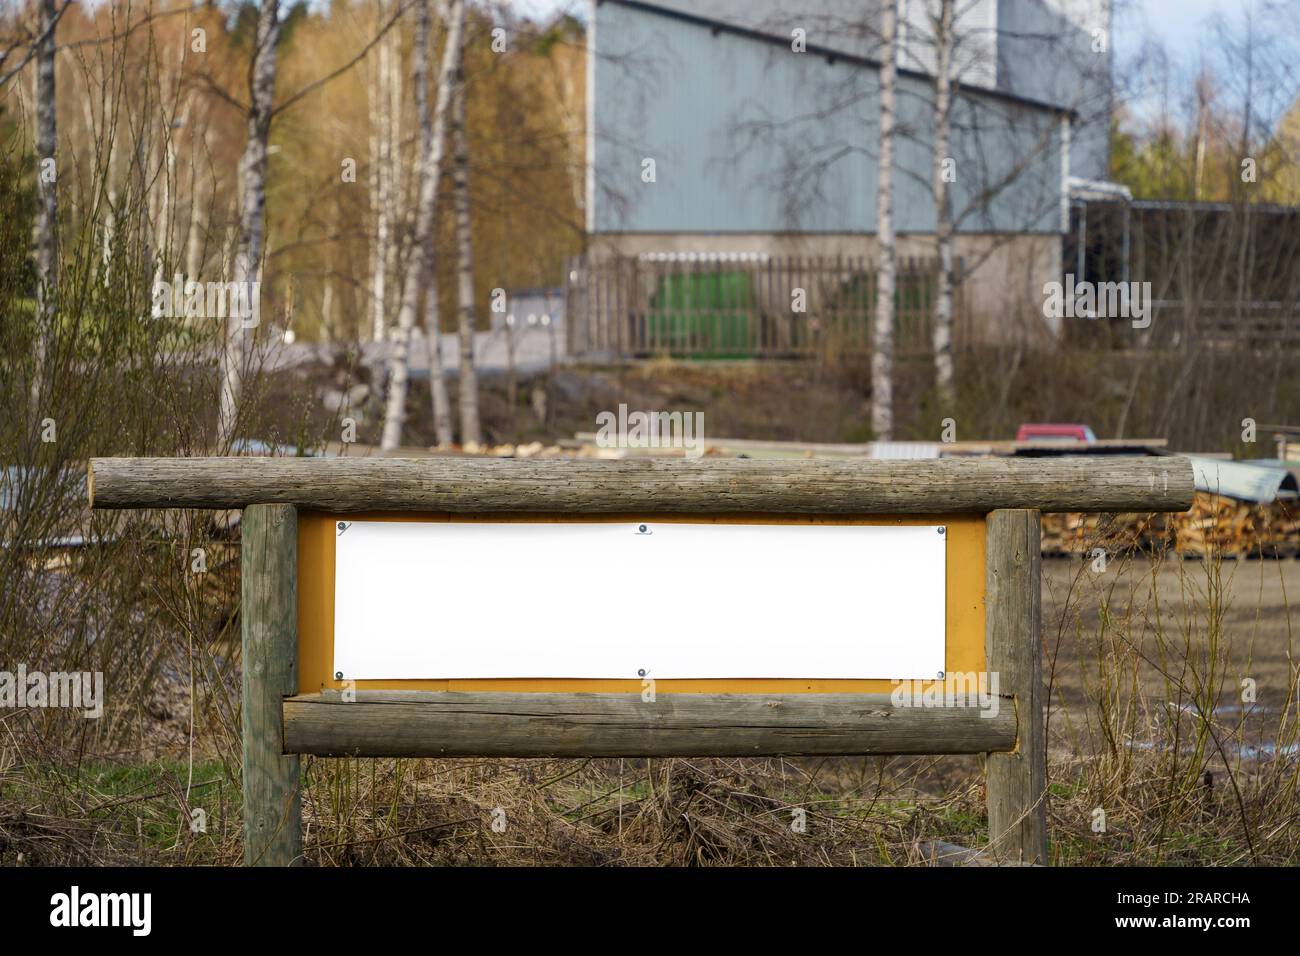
702 315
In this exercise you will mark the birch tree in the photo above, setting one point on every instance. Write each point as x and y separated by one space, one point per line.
399 197
882 354
420 272
945 386
381 169
252 210
48 210
470 433
437 380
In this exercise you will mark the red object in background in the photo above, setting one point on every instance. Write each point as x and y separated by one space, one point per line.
1050 432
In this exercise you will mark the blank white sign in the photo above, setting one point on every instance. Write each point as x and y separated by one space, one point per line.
609 600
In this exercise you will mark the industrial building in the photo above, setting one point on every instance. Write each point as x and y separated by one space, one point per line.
746 133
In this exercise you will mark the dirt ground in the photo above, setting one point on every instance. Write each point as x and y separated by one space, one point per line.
1257 604
1191 624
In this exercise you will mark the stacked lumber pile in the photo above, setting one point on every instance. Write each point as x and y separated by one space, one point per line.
1215 525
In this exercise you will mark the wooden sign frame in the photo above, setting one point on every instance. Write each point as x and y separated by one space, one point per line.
289 706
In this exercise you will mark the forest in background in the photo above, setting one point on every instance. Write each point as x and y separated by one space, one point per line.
157 93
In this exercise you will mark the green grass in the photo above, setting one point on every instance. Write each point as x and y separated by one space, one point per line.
137 808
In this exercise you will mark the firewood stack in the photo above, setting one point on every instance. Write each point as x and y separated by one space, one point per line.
1215 525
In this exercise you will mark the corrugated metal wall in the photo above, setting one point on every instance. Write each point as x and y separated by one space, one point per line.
748 136
975 55
1047 50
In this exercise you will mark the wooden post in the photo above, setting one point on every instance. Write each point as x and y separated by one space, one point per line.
272 802
1017 781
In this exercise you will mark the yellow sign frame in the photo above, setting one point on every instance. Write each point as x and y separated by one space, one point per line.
963 651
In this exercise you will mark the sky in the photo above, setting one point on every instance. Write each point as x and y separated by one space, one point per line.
543 9
1179 24
1190 35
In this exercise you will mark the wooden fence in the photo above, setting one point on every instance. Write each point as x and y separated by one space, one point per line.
740 306
1222 276
1263 326
280 721
1171 324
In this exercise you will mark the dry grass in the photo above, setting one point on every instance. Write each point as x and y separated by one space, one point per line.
1144 664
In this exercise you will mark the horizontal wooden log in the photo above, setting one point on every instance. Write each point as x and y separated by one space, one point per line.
452 724
665 486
